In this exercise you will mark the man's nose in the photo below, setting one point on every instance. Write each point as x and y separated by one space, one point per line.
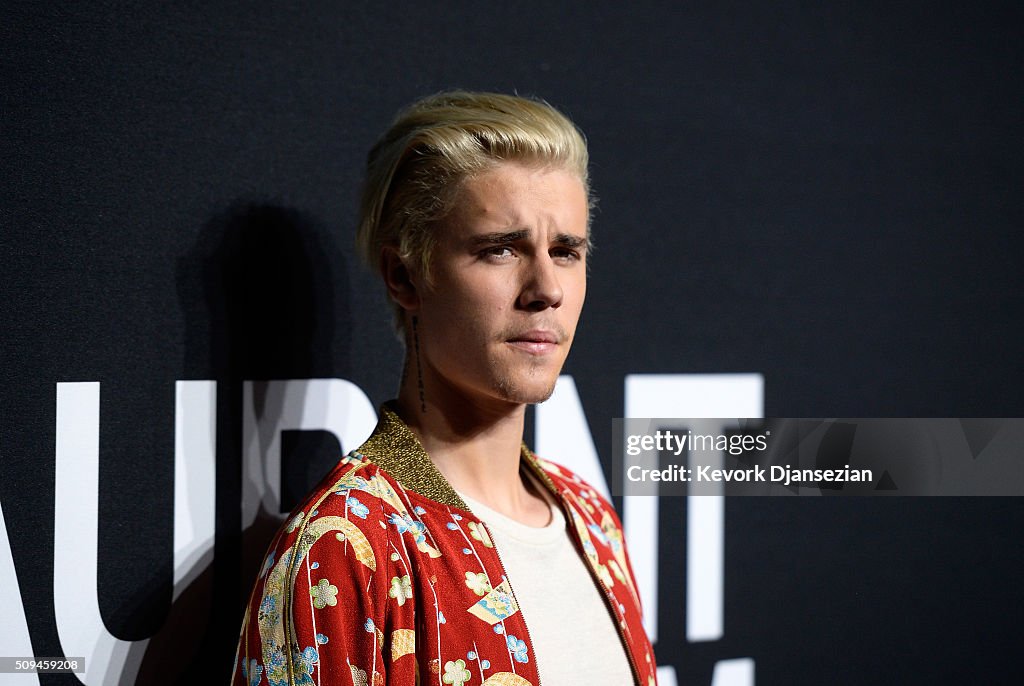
541 286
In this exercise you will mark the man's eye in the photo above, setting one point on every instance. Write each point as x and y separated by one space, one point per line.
566 254
499 251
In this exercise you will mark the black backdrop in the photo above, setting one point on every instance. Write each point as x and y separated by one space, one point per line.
829 196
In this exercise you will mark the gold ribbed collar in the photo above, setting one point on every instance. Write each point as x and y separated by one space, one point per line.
394 448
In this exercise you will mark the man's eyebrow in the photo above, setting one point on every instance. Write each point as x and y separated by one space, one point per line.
500 237
569 240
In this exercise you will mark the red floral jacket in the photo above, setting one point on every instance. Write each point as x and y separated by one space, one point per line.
384 576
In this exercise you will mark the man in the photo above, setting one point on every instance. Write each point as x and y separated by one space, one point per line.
442 550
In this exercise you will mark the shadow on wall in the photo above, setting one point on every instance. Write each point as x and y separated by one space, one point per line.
263 292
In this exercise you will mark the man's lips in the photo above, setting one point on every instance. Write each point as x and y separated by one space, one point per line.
536 342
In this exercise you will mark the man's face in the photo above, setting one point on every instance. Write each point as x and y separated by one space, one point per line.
508 279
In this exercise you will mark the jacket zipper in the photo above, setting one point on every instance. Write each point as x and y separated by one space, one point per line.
609 602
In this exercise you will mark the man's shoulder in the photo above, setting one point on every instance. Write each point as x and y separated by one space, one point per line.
355 488
356 503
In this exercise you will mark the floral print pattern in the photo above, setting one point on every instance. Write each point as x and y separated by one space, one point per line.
517 648
324 594
401 589
478 583
455 673
356 507
479 532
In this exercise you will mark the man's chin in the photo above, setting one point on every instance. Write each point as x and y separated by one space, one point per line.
541 397
527 393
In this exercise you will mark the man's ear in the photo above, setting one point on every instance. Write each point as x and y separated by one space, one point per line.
399 279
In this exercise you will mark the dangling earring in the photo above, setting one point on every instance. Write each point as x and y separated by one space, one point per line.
419 367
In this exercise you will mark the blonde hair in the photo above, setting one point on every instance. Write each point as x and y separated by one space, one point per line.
414 171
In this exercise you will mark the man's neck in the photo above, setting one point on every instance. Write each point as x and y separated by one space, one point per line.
476 447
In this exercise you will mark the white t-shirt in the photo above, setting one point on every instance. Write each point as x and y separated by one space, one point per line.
572 632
